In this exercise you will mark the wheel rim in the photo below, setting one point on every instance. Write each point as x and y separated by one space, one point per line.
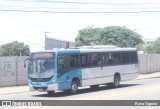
116 81
74 87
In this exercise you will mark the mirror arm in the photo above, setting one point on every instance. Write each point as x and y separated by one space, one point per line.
25 62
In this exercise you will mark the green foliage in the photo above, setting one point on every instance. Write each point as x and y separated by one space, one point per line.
153 47
111 35
140 47
88 36
14 48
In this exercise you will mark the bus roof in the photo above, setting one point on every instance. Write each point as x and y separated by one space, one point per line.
87 50
107 50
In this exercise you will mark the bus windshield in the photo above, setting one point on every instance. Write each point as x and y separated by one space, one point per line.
41 66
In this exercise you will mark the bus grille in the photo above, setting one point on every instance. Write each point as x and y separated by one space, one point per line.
40 79
43 88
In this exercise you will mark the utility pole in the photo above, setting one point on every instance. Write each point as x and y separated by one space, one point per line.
45 33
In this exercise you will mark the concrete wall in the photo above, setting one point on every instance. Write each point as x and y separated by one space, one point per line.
149 63
22 73
12 71
8 71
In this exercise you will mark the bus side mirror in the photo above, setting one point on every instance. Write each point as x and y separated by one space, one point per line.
25 62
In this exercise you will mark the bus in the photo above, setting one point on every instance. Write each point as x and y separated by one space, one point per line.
68 69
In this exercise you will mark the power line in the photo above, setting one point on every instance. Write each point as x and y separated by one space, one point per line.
78 8
93 3
80 12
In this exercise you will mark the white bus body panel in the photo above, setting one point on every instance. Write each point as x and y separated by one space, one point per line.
102 75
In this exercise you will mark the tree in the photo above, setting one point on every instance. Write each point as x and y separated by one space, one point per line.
140 47
14 48
153 46
111 35
88 36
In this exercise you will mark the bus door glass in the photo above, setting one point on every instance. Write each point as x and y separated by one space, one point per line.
62 64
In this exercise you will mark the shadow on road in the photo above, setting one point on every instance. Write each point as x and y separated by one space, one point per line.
85 90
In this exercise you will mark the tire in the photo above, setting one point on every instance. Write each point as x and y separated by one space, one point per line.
94 87
116 82
50 92
74 87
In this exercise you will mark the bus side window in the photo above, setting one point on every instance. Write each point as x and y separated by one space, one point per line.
119 55
61 65
109 59
74 61
99 59
82 60
114 58
85 60
104 58
123 58
94 59
134 57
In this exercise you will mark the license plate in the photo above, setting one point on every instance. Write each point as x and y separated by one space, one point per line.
40 89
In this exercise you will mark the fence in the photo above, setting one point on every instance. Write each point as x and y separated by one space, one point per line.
149 63
12 71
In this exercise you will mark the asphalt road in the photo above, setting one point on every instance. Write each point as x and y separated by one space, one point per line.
146 89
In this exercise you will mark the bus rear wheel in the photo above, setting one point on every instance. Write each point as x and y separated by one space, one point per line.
116 82
74 87
50 92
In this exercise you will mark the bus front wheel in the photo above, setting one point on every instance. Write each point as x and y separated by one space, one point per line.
74 87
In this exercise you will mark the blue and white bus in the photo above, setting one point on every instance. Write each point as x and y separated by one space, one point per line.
68 69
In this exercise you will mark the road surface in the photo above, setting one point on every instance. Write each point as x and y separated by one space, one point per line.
146 89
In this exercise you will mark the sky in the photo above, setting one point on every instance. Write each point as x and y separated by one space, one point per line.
27 20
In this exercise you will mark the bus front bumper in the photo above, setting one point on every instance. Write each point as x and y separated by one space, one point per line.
51 87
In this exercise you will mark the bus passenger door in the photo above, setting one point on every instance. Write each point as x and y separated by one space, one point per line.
108 67
62 69
97 69
105 65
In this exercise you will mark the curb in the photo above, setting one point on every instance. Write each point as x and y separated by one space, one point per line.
13 92
147 78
